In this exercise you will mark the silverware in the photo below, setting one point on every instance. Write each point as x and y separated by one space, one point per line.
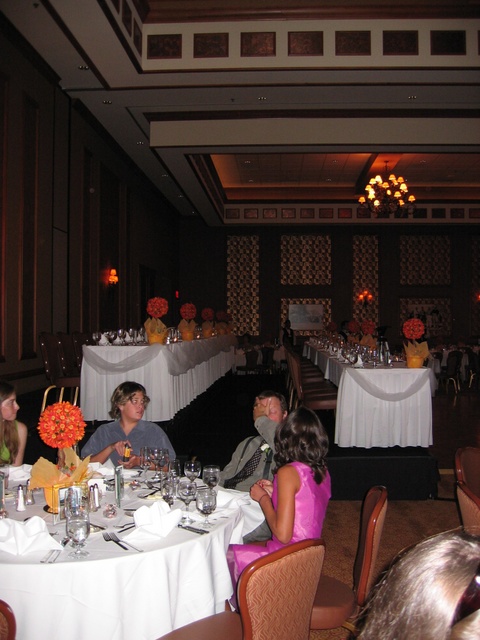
47 556
145 495
53 557
125 527
107 538
193 529
115 538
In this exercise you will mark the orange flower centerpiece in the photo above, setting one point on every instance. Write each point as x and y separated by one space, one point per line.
62 426
156 330
186 326
208 315
416 352
223 325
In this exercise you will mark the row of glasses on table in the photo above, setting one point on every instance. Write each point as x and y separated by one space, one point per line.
180 482
120 337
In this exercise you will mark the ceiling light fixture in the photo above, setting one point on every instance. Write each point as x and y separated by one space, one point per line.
388 196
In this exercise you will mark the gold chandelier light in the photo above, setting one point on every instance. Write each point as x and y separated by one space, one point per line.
387 197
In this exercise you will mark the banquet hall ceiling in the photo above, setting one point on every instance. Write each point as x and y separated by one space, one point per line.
79 43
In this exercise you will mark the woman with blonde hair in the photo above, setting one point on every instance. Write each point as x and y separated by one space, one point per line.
432 592
13 434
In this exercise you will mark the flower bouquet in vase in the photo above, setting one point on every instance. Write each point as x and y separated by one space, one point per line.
187 324
415 352
155 329
208 315
223 325
61 426
368 329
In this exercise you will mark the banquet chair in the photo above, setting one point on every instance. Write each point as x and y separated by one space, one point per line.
69 360
8 624
251 363
467 468
473 368
469 505
275 595
452 371
79 339
56 368
337 604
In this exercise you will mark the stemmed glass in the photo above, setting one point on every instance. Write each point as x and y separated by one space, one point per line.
169 491
206 504
187 491
78 530
175 471
161 458
145 461
211 475
192 469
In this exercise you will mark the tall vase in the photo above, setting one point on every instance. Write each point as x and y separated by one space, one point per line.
415 362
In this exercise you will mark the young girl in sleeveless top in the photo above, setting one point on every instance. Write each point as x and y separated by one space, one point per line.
295 503
13 434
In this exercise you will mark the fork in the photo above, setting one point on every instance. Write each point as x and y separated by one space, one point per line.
107 537
115 538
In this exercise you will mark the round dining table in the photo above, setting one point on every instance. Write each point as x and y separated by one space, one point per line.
122 594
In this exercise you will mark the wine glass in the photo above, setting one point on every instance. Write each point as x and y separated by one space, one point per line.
163 461
155 456
175 471
192 469
145 461
206 503
211 475
78 530
187 491
169 490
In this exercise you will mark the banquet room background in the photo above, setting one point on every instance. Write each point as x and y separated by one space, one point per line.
73 206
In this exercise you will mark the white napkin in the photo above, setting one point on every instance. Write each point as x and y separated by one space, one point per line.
359 363
18 538
128 339
153 522
19 474
231 499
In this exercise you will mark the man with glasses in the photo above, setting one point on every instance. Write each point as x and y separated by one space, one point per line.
129 401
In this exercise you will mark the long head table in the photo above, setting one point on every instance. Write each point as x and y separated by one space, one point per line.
173 374
379 406
123 594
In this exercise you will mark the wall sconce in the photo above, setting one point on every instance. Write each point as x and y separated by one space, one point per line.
365 297
477 297
112 277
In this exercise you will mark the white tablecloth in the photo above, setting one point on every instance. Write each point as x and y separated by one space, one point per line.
173 374
116 594
381 406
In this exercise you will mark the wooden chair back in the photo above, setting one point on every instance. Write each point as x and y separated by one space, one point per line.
275 593
469 505
8 624
374 510
467 468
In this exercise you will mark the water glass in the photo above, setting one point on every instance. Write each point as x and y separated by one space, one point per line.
211 475
78 530
206 503
187 491
192 469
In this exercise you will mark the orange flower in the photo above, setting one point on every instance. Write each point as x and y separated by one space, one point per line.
188 311
61 425
208 314
157 307
413 329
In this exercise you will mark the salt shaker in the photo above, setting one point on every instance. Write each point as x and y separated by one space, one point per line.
20 506
29 499
91 499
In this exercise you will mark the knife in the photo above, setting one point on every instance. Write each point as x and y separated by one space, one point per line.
193 529
47 556
53 557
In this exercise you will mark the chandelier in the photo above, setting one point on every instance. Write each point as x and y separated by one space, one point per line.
386 197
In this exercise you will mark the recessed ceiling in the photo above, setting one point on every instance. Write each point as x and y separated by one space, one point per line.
94 67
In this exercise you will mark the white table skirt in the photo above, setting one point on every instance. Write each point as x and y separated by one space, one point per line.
116 594
379 407
173 375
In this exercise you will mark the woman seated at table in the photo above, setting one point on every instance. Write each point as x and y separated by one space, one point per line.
295 503
13 434
129 401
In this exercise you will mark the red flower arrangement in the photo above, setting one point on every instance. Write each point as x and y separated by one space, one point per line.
61 425
413 329
188 311
368 327
353 326
208 314
331 326
157 307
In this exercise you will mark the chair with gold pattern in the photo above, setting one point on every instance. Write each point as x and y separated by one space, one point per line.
8 624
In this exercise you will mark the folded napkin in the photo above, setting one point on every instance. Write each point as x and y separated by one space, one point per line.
231 499
108 469
104 341
359 363
153 522
18 538
19 474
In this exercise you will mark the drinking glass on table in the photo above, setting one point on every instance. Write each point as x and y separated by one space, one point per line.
211 475
187 490
192 469
169 490
145 461
161 458
78 530
206 503
175 471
